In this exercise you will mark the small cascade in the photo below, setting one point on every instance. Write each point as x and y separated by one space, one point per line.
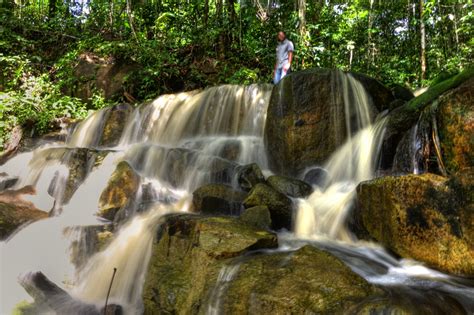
226 275
323 213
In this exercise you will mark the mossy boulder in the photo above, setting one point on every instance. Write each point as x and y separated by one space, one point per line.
187 255
114 124
280 206
290 186
305 118
425 217
120 191
455 118
218 199
307 281
455 104
249 176
258 216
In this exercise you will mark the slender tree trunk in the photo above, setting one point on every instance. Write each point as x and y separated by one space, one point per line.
206 12
422 42
301 4
370 53
221 39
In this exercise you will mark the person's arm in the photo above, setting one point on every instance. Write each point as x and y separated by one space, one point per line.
290 58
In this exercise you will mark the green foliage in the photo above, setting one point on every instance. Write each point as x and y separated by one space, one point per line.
37 103
181 46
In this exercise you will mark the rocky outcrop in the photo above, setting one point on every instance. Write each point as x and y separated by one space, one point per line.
425 217
107 75
289 186
280 206
307 281
218 199
187 255
305 118
197 265
120 190
15 212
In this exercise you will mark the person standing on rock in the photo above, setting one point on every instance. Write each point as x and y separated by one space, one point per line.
284 57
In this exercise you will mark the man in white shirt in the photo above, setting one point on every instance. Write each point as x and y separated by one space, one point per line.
284 57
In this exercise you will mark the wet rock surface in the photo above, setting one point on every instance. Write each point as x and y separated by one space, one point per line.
218 199
302 128
121 188
425 217
289 186
15 211
280 206
187 256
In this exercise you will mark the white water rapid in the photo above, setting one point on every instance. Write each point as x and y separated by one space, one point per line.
175 144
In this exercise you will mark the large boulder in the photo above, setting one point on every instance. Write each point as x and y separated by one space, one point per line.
15 211
120 190
218 199
425 217
187 255
306 117
307 281
280 206
455 118
290 186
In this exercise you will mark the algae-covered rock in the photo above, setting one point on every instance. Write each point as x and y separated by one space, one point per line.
425 217
120 190
290 186
307 281
258 216
455 118
187 255
280 206
456 105
306 120
249 176
218 199
114 124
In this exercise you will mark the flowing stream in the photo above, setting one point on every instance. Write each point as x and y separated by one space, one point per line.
177 143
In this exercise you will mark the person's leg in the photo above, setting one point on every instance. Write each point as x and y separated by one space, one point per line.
277 77
284 72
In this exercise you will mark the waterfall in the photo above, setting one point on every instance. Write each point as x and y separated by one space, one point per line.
323 213
174 143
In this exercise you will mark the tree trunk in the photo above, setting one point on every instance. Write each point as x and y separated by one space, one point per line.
302 17
422 42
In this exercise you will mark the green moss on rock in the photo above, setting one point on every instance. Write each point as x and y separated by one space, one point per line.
218 199
121 188
280 206
425 217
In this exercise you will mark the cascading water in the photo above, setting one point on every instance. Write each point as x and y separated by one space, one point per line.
323 213
177 143
174 143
